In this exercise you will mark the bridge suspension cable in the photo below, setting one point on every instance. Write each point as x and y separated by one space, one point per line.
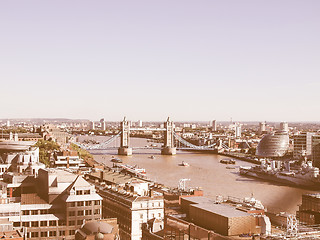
190 145
98 146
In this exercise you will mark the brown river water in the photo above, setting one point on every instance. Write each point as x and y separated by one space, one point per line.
205 171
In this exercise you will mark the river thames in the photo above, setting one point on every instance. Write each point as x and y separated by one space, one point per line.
205 171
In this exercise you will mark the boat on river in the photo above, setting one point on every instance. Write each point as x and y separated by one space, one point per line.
184 164
305 176
228 161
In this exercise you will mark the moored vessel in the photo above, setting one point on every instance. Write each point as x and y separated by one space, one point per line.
306 175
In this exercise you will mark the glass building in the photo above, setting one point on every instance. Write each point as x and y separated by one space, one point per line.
273 145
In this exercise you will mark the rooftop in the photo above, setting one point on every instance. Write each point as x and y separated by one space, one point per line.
221 209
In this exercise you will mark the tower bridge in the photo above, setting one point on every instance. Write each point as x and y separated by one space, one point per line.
168 148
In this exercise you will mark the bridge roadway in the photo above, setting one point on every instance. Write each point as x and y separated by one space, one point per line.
159 148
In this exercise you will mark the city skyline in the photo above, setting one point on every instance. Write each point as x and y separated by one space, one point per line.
192 61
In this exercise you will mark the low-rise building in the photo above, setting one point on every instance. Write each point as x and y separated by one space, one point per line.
51 205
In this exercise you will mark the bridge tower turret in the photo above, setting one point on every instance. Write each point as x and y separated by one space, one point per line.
168 148
124 148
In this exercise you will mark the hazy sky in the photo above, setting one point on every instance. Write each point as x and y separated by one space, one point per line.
191 60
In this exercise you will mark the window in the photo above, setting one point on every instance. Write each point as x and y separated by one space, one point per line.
80 213
79 192
43 223
34 234
34 212
88 203
97 202
72 204
88 212
72 223
72 213
43 234
25 212
97 211
152 204
141 216
152 215
79 204
44 211
34 224
72 232
52 223
61 223
86 192
16 224
25 224
62 233
52 233
79 222
159 214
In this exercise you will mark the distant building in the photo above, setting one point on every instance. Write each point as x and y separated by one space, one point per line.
315 155
237 131
262 127
214 125
302 145
284 127
102 124
91 125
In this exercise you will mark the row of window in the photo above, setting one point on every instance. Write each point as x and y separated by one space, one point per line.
82 213
40 224
82 192
153 215
85 203
50 233
39 212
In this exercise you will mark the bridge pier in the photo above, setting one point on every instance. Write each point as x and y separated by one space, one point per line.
169 151
126 151
168 148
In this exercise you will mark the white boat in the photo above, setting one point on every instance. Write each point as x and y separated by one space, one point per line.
184 164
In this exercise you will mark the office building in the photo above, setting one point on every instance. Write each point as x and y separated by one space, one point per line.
51 205
315 155
284 127
214 125
302 145
262 127
128 199
102 124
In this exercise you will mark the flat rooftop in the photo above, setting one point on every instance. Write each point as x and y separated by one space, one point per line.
220 209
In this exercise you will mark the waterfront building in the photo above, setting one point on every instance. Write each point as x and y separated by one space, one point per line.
226 219
309 210
51 205
302 145
273 145
130 200
54 133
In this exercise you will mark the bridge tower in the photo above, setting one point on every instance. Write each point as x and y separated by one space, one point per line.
124 148
168 148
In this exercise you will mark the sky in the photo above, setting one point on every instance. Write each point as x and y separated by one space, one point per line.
190 60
